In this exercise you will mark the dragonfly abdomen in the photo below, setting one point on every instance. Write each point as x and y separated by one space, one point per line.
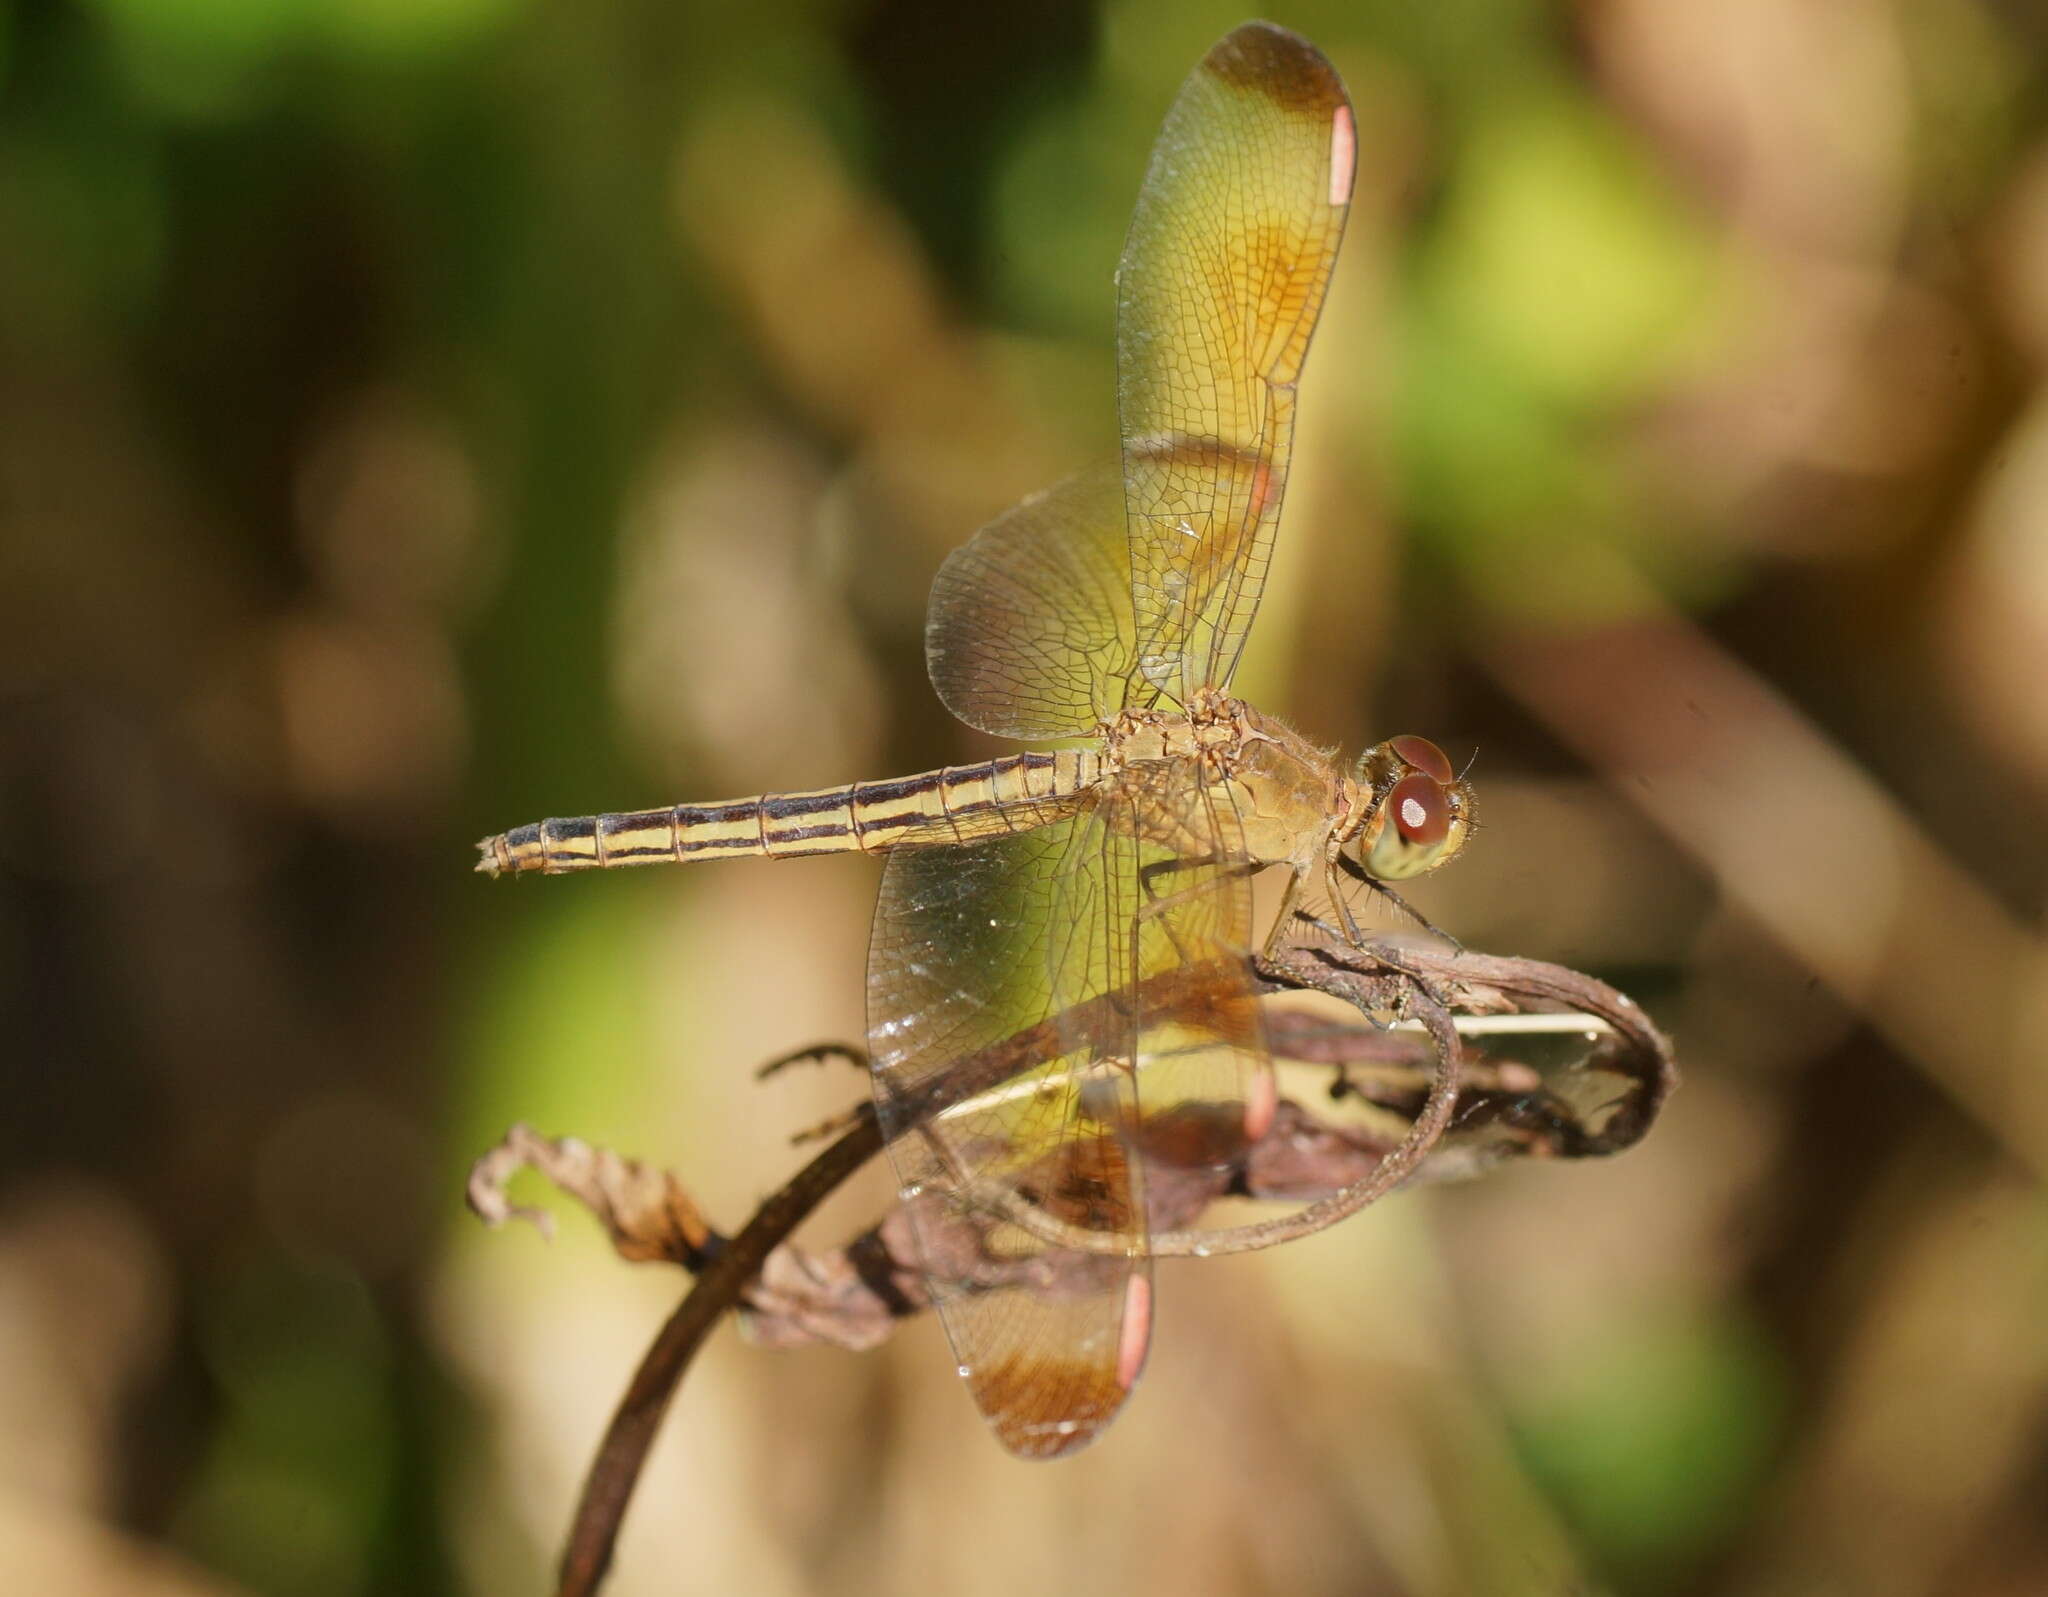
953 805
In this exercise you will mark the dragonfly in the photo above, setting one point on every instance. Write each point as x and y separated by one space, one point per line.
1084 913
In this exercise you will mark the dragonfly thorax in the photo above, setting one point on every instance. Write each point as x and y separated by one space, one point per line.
1282 795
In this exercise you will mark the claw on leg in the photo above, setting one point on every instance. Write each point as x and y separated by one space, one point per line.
818 1054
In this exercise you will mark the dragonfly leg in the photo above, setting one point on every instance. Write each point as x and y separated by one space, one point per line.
1148 874
1290 908
1157 903
817 1054
1352 933
1358 873
1336 934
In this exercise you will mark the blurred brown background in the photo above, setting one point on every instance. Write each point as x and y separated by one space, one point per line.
420 416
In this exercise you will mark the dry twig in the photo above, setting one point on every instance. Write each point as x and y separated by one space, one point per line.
1460 1114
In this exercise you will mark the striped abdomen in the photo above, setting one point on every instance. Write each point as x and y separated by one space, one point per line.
954 805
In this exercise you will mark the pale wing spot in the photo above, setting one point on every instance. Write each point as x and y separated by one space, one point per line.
1137 1331
1343 155
1261 1104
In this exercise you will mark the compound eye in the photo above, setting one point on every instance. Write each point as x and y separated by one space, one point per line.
1419 808
1425 756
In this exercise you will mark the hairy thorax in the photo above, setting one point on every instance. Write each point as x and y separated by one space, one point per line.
1286 795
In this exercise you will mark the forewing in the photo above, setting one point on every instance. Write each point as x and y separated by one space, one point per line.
1222 279
1029 632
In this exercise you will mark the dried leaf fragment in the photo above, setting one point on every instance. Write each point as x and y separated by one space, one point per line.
646 1212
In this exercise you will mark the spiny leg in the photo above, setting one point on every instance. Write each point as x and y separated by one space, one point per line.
1336 934
818 1054
1290 907
1353 932
1157 904
1358 873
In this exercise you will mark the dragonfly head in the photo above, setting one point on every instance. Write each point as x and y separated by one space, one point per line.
1416 814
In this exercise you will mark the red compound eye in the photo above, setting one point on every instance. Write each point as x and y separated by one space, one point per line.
1424 755
1420 811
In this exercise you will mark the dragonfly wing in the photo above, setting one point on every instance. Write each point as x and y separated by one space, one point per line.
1205 1082
976 1004
1056 1018
1029 631
1223 278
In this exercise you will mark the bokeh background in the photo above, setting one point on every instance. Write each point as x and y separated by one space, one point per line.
421 416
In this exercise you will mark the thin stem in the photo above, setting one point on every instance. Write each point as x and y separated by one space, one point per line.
615 1471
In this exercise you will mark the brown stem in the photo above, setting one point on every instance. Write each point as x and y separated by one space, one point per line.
623 1452
1426 984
